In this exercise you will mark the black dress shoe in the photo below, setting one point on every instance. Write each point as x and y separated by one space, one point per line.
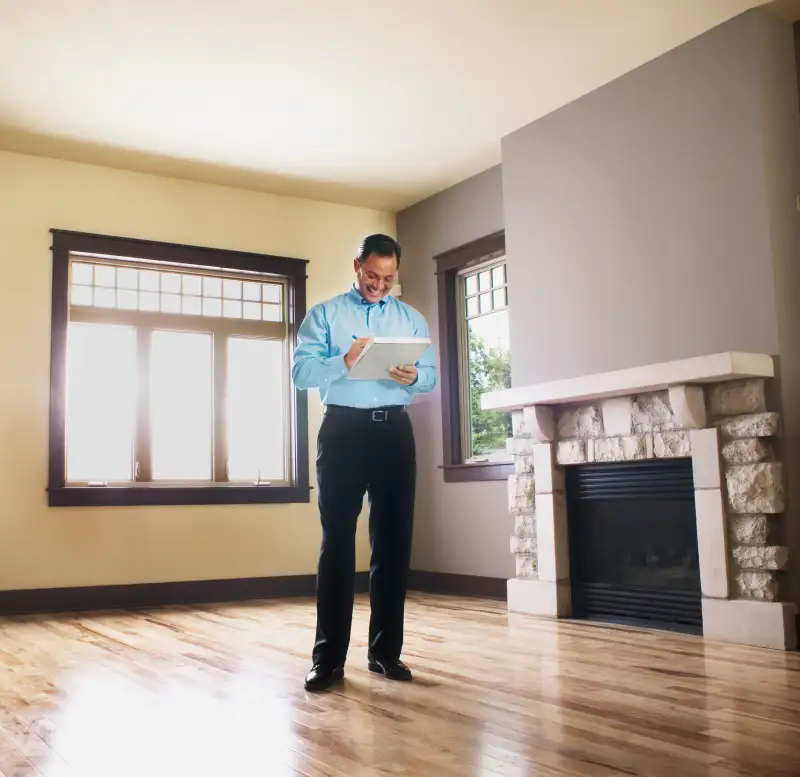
321 678
391 670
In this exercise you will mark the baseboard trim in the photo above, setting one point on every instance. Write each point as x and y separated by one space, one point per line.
144 595
458 585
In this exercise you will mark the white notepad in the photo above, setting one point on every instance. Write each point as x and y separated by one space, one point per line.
383 353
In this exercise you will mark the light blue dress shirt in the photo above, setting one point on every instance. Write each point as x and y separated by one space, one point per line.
326 335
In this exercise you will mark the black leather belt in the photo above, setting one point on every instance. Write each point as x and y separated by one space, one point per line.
371 413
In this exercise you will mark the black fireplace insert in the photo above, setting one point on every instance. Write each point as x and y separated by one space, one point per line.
633 544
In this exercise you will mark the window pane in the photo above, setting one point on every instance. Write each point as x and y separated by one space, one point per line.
272 292
105 298
192 306
472 307
181 405
255 409
486 302
148 280
149 300
81 295
212 287
489 369
212 307
499 275
485 280
252 291
252 310
127 299
471 285
273 313
127 278
192 284
499 298
82 273
105 276
232 308
170 303
171 283
101 402
232 289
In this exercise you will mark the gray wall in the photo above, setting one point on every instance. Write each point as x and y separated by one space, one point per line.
650 220
636 225
461 528
780 120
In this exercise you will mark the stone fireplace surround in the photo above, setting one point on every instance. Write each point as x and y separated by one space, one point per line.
712 409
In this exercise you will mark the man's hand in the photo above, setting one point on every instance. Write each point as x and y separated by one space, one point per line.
355 351
405 376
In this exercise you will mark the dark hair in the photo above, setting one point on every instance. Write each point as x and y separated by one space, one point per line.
382 245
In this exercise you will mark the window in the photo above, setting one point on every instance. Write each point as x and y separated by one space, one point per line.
484 359
474 359
171 375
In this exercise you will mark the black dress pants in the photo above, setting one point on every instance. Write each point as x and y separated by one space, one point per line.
358 452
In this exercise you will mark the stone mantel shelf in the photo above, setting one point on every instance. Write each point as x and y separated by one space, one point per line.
731 365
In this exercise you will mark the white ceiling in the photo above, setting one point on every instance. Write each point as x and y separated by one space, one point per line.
375 102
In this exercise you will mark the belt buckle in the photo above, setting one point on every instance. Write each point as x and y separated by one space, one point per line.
380 415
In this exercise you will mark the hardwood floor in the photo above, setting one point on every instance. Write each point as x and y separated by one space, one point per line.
217 690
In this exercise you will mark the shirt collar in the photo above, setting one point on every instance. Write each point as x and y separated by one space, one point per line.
355 295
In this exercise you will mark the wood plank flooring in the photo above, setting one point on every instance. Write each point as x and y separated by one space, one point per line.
217 690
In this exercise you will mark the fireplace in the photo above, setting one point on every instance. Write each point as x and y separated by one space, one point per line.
633 544
652 495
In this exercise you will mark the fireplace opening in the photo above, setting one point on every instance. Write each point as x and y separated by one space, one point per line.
633 544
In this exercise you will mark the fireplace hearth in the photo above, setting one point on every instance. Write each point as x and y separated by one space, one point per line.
633 544
653 495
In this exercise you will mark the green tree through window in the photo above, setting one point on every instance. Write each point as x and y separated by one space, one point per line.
489 370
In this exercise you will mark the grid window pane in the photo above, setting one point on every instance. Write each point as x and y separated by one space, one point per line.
212 307
101 402
472 307
499 298
499 275
232 289
81 295
252 311
149 301
256 409
251 291
171 283
174 293
181 402
192 306
82 273
486 302
232 308
485 280
127 299
472 285
170 303
149 281
105 276
271 292
212 287
105 298
272 313
127 278
193 284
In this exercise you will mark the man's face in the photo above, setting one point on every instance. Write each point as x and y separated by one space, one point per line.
376 276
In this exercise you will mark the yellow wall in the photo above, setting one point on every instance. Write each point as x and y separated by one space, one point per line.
44 547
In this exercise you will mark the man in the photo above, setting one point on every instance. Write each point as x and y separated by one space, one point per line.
365 445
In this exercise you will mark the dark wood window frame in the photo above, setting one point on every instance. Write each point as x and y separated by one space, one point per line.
293 273
448 266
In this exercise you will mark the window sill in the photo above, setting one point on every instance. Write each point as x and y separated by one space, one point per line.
126 496
477 471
